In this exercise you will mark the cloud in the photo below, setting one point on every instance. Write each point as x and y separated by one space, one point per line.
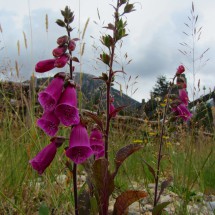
152 44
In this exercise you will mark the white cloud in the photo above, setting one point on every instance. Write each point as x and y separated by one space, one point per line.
155 29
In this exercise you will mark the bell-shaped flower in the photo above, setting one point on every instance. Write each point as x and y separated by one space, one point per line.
79 145
44 158
96 140
61 61
59 51
183 96
45 65
62 40
66 110
50 96
71 45
49 123
182 112
180 70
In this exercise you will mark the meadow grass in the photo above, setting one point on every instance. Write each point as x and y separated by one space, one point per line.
188 158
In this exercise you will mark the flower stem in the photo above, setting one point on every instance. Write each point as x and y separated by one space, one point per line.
75 187
156 197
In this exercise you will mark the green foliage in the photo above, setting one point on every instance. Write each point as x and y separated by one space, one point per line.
204 117
161 87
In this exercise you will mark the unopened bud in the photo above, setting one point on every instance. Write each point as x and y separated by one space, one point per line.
71 45
62 40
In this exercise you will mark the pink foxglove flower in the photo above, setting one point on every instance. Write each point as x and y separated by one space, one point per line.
182 112
62 40
96 140
183 96
71 45
50 96
45 65
60 50
66 110
180 70
49 123
61 61
79 145
44 158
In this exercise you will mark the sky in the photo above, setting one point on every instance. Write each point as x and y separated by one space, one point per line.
155 32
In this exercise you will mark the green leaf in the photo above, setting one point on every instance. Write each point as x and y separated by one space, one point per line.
122 2
129 8
105 58
157 210
60 22
123 153
43 210
107 40
125 199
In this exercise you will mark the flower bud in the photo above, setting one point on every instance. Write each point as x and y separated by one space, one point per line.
180 70
62 40
61 61
71 45
45 65
59 51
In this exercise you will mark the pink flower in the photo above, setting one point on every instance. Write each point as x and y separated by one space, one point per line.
60 50
71 45
50 96
49 123
66 110
62 40
79 145
183 96
182 112
45 65
61 61
180 70
96 140
44 158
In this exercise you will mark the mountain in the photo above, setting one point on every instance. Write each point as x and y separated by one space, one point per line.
93 90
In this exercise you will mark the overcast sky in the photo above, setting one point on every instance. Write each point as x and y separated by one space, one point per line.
155 31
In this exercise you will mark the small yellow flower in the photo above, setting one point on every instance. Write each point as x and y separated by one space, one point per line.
137 141
168 144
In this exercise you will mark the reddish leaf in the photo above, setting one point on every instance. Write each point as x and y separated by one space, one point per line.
110 26
103 182
164 185
150 168
75 39
124 152
95 118
116 110
127 198
75 59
